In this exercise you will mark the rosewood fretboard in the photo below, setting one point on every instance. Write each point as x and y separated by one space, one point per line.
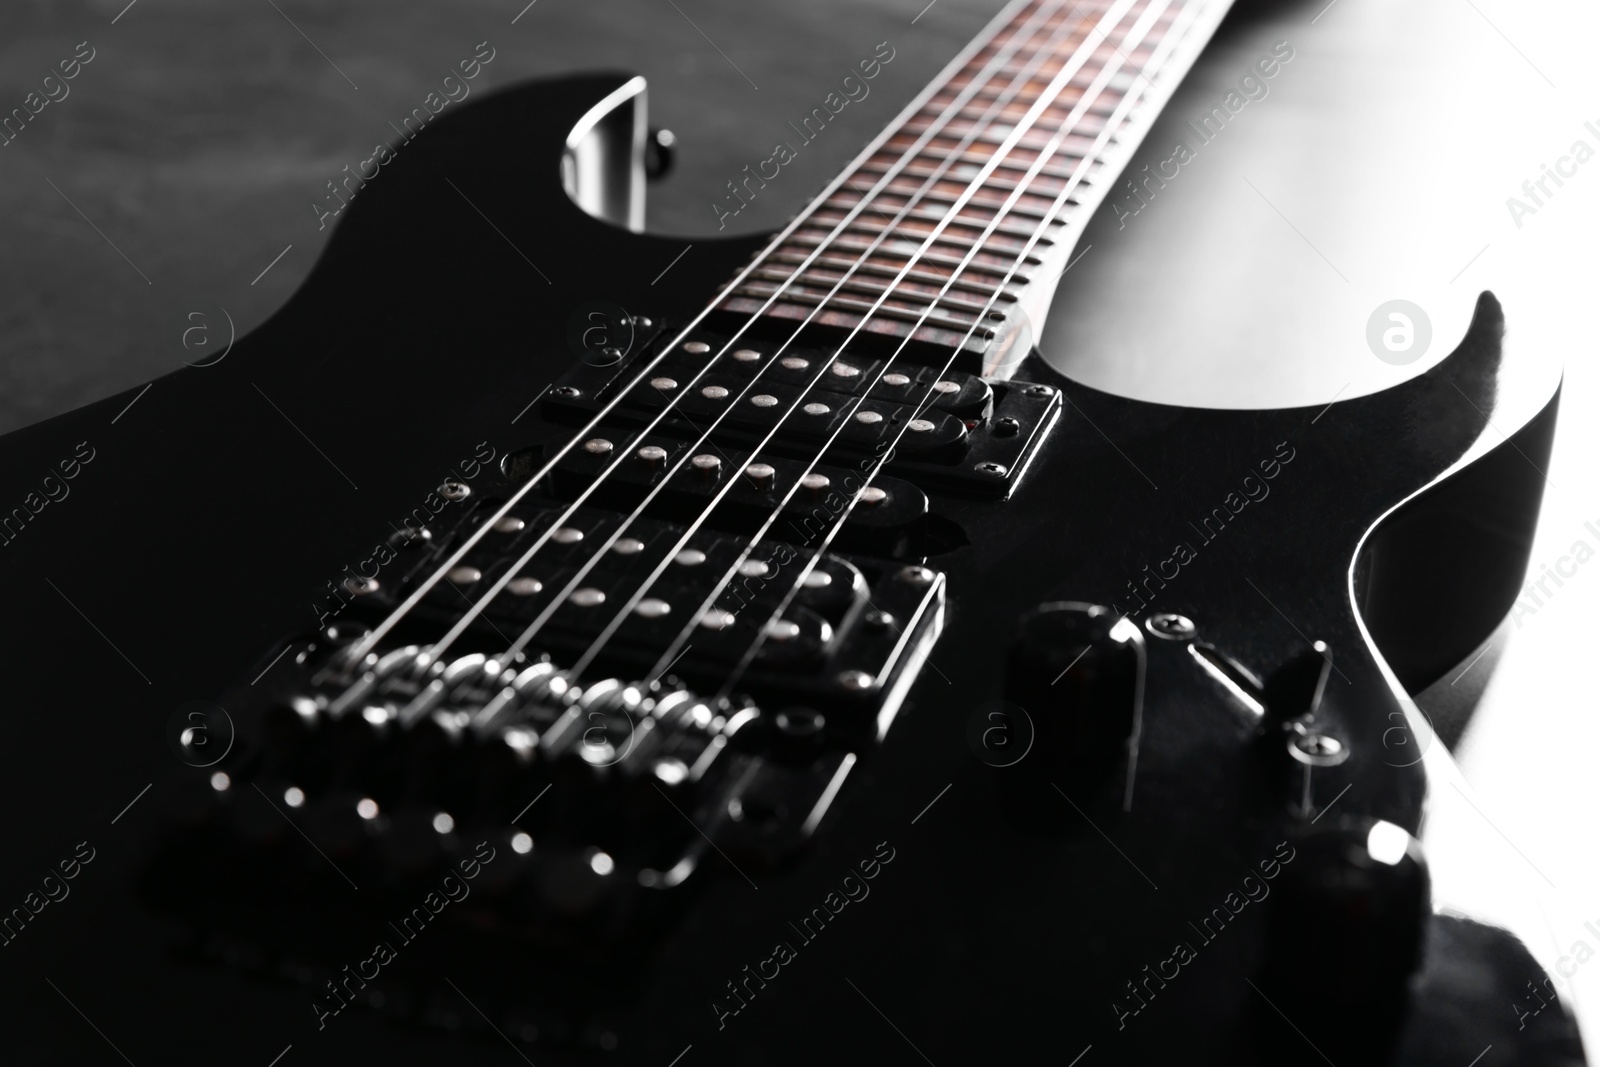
1000 161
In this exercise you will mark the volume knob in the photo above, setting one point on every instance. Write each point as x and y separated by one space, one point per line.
1078 671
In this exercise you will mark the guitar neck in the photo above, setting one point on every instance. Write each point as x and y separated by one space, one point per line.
954 225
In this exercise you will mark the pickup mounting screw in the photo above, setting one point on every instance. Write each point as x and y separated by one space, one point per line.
855 681
991 468
1039 390
454 491
1006 427
410 537
1172 626
566 392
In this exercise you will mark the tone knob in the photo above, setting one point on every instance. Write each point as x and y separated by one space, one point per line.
1346 924
1077 671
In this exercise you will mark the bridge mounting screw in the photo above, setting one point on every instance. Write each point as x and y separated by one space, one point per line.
1172 626
1039 390
455 491
992 469
566 392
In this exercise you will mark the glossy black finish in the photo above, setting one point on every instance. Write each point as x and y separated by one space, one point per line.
207 525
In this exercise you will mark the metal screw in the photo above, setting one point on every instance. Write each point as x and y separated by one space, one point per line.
994 470
410 537
566 392
1316 750
1039 390
1171 626
879 620
855 681
640 321
1007 427
915 575
454 491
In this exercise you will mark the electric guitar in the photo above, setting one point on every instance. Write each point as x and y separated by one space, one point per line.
766 659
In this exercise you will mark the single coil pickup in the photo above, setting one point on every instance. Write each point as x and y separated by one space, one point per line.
886 519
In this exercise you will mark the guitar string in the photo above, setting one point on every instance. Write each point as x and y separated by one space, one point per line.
1045 155
1047 50
1168 43
1001 25
1024 35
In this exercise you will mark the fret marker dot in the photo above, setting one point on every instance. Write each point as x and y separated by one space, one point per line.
587 597
566 535
763 400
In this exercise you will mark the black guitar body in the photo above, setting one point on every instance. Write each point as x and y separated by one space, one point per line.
987 885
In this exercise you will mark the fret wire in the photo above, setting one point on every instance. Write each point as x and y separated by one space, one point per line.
365 646
581 664
1169 42
1039 190
817 242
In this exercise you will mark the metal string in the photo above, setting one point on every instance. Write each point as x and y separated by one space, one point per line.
1045 52
361 649
1068 71
437 649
